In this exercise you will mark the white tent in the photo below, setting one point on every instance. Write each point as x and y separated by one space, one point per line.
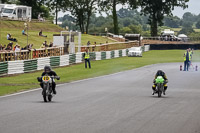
182 36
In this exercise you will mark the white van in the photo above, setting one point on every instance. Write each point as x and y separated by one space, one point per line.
16 12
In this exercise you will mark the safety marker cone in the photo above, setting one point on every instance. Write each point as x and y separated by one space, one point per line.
180 67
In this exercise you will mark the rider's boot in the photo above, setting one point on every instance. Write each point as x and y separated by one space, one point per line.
54 88
165 88
154 89
54 91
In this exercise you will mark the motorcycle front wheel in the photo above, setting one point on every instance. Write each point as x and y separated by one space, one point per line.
45 93
49 98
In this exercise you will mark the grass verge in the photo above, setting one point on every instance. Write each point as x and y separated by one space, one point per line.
15 29
26 81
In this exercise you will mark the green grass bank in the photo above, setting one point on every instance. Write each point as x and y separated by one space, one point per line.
15 29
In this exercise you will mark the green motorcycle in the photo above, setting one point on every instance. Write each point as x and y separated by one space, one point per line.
160 85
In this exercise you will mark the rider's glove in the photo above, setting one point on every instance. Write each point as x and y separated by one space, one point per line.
57 77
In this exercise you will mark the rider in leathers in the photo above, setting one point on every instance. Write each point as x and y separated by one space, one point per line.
160 73
49 72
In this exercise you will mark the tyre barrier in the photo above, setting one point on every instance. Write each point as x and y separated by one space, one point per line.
24 66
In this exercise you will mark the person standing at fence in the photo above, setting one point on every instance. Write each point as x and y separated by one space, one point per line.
187 58
17 50
87 58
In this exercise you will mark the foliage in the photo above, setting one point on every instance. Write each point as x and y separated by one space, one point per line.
198 24
55 6
157 9
110 5
82 11
172 21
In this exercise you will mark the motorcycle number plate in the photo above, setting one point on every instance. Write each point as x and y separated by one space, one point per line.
46 78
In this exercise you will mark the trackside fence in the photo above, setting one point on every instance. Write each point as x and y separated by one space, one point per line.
24 66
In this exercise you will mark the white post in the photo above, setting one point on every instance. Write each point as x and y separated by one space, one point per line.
79 42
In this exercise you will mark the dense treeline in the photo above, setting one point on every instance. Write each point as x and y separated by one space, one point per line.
131 21
152 15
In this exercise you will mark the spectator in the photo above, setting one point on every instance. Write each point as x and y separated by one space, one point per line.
44 45
10 44
88 43
51 44
93 48
14 47
30 46
40 34
26 47
8 48
17 50
9 37
1 47
23 32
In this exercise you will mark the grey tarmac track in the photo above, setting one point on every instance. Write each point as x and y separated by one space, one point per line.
117 103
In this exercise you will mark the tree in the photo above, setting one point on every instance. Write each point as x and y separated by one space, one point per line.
157 9
173 22
56 6
187 28
82 11
188 16
108 5
198 24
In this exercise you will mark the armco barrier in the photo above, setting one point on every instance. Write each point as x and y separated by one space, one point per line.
14 67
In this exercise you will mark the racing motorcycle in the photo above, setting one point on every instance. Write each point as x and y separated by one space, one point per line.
47 91
160 85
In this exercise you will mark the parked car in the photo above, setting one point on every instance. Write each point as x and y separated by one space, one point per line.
135 52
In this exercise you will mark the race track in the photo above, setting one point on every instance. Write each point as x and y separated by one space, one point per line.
117 103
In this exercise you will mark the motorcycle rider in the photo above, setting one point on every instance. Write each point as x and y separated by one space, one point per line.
48 71
160 73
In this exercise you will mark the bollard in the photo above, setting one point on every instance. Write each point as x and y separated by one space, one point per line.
196 68
180 67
